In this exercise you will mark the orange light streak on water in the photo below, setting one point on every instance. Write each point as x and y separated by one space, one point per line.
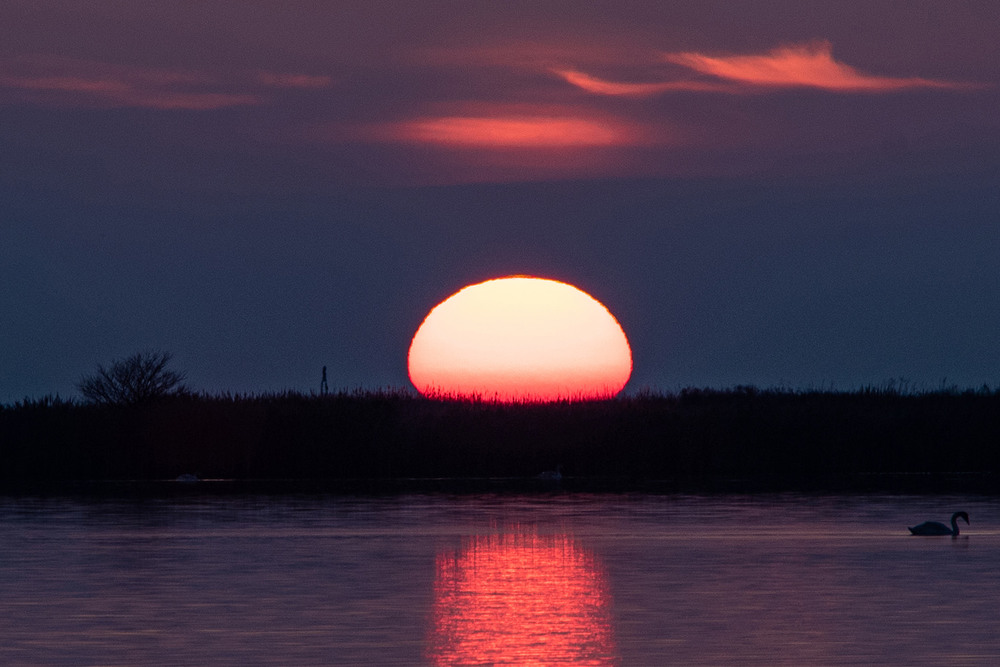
520 599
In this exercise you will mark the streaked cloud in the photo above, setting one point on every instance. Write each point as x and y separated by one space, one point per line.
66 82
112 92
804 65
286 80
593 84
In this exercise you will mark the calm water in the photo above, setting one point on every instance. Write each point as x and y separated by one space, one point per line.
497 579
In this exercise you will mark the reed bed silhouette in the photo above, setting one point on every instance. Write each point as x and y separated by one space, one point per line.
694 437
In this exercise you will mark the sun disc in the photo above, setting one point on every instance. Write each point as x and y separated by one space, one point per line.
520 338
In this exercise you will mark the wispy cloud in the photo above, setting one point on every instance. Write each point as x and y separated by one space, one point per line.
593 84
471 125
115 92
803 65
65 82
809 65
509 132
287 80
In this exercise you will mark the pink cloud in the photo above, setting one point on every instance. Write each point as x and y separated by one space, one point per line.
593 84
510 131
804 65
509 126
468 142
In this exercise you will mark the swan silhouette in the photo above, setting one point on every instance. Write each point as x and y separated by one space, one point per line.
938 528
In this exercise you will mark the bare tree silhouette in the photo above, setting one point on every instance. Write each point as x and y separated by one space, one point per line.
140 378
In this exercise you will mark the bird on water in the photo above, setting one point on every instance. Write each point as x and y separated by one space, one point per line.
938 528
551 475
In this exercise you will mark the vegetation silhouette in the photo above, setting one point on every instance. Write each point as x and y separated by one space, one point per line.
140 378
696 438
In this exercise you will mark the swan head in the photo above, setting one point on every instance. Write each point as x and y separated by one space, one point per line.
961 515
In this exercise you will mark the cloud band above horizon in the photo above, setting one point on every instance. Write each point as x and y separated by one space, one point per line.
808 65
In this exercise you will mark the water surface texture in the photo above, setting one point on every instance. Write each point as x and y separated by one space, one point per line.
547 578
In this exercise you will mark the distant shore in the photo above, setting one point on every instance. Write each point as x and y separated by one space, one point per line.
739 439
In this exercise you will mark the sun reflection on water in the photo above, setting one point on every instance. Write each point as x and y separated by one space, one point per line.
520 598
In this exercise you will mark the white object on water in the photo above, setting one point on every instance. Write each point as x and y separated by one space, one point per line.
552 475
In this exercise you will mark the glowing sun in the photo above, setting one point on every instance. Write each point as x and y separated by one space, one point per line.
520 339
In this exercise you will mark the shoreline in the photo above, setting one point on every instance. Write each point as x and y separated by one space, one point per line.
697 439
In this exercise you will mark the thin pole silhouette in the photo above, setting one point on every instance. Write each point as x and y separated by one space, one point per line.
323 387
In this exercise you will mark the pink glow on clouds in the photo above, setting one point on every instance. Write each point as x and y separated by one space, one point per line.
511 131
481 142
593 84
487 126
803 65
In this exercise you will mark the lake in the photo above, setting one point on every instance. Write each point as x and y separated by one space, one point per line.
196 578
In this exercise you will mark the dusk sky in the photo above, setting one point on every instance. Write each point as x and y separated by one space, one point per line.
781 193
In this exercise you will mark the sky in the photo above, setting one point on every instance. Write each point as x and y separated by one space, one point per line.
781 193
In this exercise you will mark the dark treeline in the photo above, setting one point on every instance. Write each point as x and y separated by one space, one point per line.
694 436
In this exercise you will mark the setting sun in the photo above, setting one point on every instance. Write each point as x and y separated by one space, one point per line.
520 338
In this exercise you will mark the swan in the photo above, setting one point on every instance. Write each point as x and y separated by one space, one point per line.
938 528
551 475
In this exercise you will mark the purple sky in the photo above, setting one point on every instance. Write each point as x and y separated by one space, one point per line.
782 193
